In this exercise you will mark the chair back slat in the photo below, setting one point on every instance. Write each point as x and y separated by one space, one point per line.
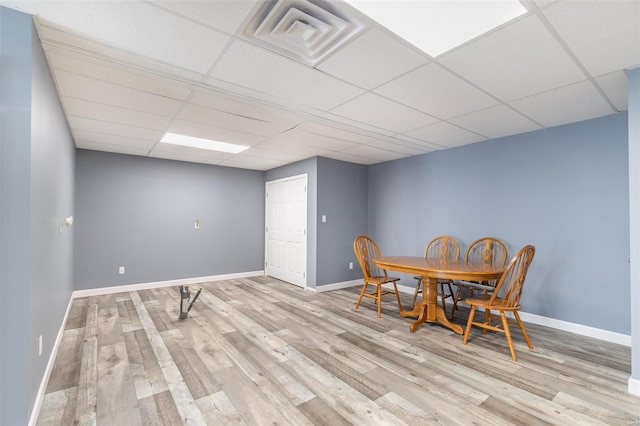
442 247
509 288
488 250
366 250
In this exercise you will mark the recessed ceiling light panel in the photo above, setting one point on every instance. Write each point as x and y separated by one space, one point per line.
211 145
437 26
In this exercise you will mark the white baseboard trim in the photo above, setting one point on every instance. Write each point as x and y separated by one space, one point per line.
35 412
159 284
634 386
583 330
357 283
337 286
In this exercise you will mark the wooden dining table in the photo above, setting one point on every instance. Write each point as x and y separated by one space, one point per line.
431 270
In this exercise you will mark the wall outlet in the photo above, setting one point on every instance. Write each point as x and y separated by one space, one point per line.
350 265
324 218
196 225
121 270
40 346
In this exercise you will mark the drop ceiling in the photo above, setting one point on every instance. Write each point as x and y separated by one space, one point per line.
294 79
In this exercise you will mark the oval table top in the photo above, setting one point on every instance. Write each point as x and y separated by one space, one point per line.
440 268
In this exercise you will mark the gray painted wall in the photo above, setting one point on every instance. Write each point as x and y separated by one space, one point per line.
15 184
52 199
564 190
342 197
309 167
37 158
139 213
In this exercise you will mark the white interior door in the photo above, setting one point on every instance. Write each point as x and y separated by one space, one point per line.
286 230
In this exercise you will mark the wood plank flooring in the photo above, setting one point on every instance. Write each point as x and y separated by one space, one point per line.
258 351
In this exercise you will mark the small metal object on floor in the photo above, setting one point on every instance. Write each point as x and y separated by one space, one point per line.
186 303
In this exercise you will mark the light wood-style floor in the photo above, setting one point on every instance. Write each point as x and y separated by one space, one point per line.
257 351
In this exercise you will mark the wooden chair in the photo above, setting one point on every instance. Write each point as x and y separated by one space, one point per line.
505 298
442 247
484 250
366 249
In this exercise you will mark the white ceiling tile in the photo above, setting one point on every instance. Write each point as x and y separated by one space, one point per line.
399 147
260 70
140 28
226 120
53 38
545 3
97 126
296 136
243 108
189 151
436 91
81 108
576 102
604 35
224 15
274 155
368 151
81 87
495 122
382 113
334 132
106 139
119 149
415 142
615 87
241 164
340 120
372 59
183 157
343 156
134 80
199 130
250 159
445 135
289 147
516 61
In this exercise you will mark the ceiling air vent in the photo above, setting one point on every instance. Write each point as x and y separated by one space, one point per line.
304 30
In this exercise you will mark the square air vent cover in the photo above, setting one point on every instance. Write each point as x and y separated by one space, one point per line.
304 30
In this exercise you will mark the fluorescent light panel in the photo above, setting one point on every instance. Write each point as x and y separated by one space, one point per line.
190 141
435 26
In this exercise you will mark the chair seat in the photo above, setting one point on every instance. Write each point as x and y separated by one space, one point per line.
483 301
382 280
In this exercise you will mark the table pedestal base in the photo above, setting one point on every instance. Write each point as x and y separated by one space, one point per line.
428 309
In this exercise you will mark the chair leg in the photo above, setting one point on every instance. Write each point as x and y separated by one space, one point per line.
440 288
468 329
524 332
451 296
507 333
379 290
364 288
487 319
415 294
456 297
395 287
